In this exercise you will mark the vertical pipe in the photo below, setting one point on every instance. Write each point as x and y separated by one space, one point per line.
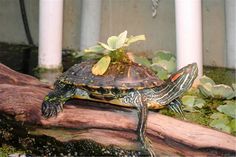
90 23
230 11
50 33
188 15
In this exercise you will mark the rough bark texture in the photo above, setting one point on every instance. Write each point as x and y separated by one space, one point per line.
21 96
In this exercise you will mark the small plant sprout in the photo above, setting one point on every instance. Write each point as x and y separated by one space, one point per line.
113 51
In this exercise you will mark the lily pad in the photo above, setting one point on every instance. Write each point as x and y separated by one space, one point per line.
222 91
191 103
232 124
228 109
162 55
101 66
205 89
204 79
141 60
160 71
220 125
169 65
220 116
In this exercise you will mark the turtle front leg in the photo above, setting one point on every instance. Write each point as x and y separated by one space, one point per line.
136 99
54 101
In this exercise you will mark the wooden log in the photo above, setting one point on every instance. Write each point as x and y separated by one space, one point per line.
21 96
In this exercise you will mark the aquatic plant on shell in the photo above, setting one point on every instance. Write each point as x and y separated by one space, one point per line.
114 50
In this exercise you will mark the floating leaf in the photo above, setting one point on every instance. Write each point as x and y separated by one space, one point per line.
112 41
101 66
133 39
121 40
220 116
169 65
188 100
161 72
228 109
234 88
232 124
204 79
141 60
192 102
199 103
220 125
162 55
222 91
205 89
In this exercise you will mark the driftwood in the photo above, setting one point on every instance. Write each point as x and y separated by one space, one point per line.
21 96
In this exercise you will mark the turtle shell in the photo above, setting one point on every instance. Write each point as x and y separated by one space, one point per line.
119 75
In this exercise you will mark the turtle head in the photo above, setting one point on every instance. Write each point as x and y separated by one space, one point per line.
185 76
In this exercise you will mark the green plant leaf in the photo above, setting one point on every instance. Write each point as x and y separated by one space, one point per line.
205 89
121 40
224 118
228 109
169 65
105 46
222 91
160 72
234 88
112 41
101 66
162 55
95 49
199 103
141 60
220 125
188 100
133 39
204 79
232 124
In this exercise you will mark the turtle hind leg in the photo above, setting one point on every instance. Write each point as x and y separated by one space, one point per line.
135 98
54 101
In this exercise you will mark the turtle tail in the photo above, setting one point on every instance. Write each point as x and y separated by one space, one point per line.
176 84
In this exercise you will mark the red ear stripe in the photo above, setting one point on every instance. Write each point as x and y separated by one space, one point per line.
176 76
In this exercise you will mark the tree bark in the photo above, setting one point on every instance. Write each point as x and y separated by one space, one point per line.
21 97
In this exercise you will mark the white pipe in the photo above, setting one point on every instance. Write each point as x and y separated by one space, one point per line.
90 23
230 11
188 15
50 33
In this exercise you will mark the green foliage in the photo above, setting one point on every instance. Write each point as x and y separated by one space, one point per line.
115 49
6 150
163 63
101 66
142 60
192 103
229 108
209 89
166 60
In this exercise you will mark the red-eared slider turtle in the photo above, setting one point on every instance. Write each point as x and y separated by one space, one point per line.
125 84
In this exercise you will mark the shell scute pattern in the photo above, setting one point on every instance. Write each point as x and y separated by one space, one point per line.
119 77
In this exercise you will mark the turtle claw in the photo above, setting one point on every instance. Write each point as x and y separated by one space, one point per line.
51 109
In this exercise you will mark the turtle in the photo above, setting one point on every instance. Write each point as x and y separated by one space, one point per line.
126 84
